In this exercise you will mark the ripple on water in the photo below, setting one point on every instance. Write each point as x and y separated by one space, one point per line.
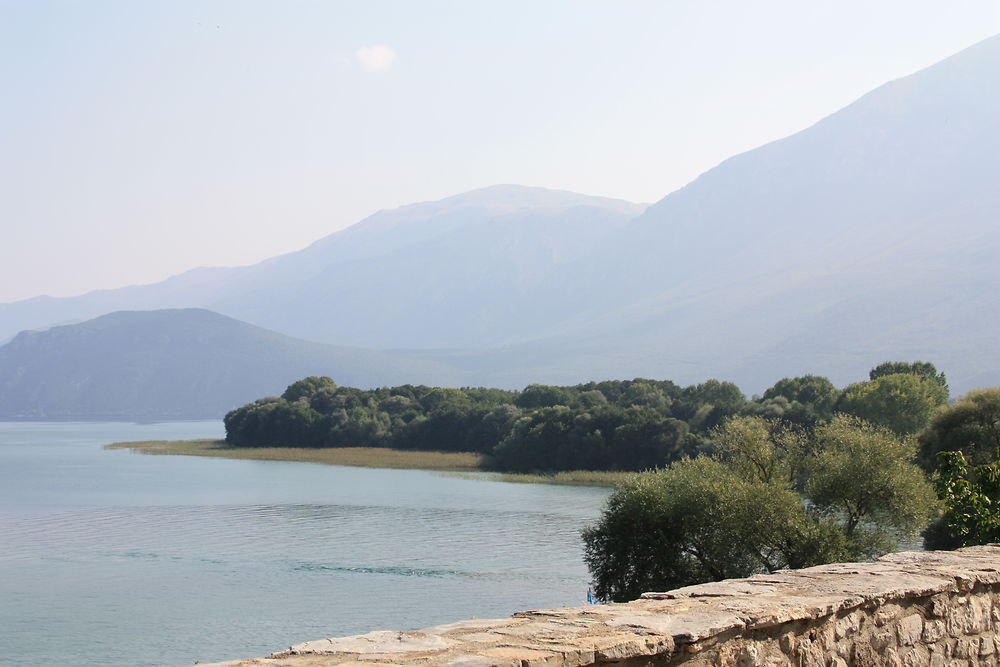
142 560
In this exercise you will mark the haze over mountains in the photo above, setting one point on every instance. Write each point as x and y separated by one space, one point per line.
872 235
456 272
174 364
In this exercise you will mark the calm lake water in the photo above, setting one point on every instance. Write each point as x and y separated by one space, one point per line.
115 558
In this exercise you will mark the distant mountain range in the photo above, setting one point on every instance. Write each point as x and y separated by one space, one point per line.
174 364
872 235
459 272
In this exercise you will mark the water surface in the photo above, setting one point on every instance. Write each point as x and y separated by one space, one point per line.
115 558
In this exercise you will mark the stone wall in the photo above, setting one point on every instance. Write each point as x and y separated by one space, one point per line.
913 608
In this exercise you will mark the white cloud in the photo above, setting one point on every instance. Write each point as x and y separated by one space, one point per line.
376 58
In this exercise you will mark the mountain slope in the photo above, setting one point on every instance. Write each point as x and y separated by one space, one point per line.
437 274
872 234
175 364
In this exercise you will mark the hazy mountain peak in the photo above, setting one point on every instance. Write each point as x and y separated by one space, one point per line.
494 200
497 209
512 197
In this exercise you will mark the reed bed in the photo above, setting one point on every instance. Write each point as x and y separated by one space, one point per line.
365 457
461 464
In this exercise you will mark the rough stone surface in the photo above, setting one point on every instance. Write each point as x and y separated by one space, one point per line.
913 608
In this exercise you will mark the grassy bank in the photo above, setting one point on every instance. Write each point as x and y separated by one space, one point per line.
458 463
571 477
367 457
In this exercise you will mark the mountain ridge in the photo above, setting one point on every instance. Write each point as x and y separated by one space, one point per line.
868 236
526 213
175 364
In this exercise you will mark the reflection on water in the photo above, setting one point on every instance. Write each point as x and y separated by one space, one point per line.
114 558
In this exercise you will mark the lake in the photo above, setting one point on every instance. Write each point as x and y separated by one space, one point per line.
115 558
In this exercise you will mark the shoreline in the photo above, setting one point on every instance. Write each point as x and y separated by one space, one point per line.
459 464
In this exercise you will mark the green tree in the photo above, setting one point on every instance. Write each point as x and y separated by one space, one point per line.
802 400
740 512
543 396
971 425
763 449
706 405
864 477
699 521
902 402
645 394
971 496
923 369
306 387
592 398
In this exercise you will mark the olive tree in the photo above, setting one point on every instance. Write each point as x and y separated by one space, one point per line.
902 402
773 496
865 477
698 521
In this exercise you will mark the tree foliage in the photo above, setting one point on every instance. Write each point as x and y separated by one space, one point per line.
902 402
866 478
971 425
922 369
802 400
613 425
306 387
772 496
698 521
971 495
628 425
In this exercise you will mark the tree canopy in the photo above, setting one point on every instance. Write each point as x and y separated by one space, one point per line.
922 369
623 425
697 521
804 400
902 402
971 495
772 496
971 426
867 478
963 443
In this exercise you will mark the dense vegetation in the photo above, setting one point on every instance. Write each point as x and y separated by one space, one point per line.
963 441
971 496
626 425
773 496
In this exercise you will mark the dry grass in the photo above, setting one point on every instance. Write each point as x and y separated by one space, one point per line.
369 457
366 457
570 477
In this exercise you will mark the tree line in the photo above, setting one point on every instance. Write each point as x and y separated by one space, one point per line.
772 494
625 425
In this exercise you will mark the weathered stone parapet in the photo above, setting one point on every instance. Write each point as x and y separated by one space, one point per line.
912 608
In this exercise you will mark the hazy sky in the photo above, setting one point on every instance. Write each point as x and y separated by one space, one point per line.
140 139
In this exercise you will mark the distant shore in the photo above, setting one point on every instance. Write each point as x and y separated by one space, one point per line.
457 463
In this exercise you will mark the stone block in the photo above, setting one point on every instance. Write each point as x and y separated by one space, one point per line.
909 629
381 642
934 631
